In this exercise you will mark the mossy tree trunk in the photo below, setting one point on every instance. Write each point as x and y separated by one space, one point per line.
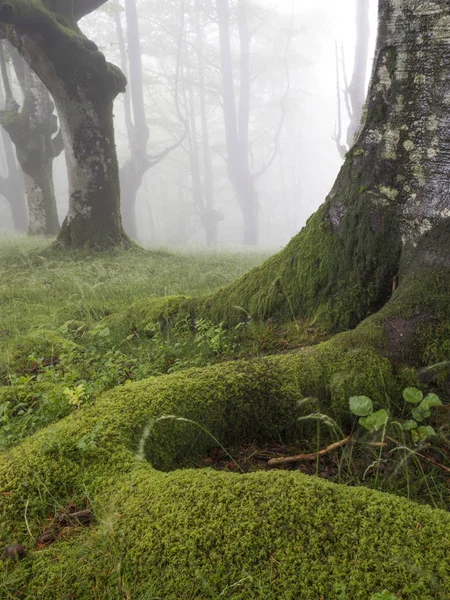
83 86
392 188
31 129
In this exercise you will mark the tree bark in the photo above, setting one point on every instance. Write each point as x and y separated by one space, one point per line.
83 86
392 188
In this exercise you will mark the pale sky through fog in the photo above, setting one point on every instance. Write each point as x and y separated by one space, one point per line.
335 22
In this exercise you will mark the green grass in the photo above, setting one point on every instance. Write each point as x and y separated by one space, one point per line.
50 303
39 290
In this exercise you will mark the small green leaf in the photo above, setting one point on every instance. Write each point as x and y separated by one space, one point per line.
414 436
420 413
424 432
375 421
412 395
431 400
408 425
361 406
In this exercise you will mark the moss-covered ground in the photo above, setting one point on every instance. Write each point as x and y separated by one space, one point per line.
108 397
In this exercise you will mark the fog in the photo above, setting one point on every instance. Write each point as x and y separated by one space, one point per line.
292 154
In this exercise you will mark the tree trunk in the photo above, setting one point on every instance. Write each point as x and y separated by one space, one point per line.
83 86
133 170
210 217
355 91
31 130
13 189
357 88
236 125
392 188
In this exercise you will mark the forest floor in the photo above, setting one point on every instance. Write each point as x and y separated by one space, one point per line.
62 346
54 358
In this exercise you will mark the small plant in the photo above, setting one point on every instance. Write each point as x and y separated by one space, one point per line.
362 406
420 412
77 395
211 335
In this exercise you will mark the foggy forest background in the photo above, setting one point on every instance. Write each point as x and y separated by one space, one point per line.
171 121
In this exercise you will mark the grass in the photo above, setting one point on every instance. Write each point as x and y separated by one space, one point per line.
42 291
50 361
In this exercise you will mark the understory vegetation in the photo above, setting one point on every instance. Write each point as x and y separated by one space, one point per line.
123 454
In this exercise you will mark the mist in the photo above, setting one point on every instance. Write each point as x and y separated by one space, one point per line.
183 182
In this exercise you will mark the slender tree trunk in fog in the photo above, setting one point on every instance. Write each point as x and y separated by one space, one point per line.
237 123
355 91
210 217
132 172
83 86
11 185
194 151
31 129
357 87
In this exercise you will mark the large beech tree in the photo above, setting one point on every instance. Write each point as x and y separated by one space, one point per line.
83 85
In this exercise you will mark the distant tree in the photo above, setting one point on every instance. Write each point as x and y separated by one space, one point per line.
236 110
32 128
83 86
139 161
11 182
354 93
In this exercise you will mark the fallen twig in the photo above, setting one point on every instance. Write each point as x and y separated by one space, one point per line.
312 456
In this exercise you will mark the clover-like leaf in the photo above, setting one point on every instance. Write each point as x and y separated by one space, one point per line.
420 413
361 406
408 425
424 432
412 395
431 400
375 421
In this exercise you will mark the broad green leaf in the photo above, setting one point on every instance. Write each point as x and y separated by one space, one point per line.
420 413
414 435
408 425
412 395
375 421
361 406
431 400
425 431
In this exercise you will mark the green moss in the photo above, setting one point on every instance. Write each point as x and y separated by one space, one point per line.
269 535
195 533
36 348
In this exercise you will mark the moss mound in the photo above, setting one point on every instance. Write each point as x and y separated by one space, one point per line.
205 534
